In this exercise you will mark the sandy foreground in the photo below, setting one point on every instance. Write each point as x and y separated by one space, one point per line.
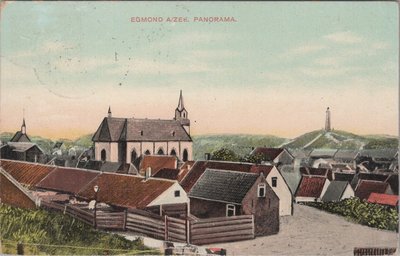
313 232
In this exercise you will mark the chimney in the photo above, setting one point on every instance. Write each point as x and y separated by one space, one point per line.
207 156
147 174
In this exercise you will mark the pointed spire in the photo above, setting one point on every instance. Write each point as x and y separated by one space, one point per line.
109 111
180 103
23 126
328 120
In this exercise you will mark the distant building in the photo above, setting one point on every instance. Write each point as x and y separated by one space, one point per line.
311 189
273 155
126 139
21 135
22 151
328 120
337 191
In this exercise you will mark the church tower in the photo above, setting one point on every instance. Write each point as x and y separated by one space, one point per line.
109 114
328 120
181 114
23 127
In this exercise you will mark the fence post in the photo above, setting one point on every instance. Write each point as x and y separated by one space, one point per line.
165 227
187 230
252 221
125 219
20 248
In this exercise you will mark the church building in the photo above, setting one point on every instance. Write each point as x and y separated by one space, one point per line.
126 139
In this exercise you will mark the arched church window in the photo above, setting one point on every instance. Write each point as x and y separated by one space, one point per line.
173 152
133 155
103 155
185 155
147 152
160 151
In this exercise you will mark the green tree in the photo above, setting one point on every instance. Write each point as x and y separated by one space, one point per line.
224 154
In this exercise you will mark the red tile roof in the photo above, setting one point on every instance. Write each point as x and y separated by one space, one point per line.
26 173
384 199
269 153
311 186
125 190
366 187
70 180
156 163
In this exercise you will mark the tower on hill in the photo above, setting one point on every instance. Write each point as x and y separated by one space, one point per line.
328 120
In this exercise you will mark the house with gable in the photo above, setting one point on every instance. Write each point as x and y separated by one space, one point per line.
311 189
274 156
126 139
337 191
220 193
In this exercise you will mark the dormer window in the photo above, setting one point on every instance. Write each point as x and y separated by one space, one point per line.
261 190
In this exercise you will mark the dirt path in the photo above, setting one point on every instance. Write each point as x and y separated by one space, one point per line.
313 232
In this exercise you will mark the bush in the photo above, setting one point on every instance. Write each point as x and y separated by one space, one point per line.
40 231
361 212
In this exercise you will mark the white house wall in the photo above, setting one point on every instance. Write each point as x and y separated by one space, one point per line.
168 197
282 191
348 192
111 149
188 146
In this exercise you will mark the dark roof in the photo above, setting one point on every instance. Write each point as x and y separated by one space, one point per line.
341 176
20 137
384 199
26 173
111 167
269 154
321 172
125 190
67 180
291 176
132 129
156 163
310 186
366 187
200 166
335 191
93 165
223 186
58 144
168 173
379 153
371 176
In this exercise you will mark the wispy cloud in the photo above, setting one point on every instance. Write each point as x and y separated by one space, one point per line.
345 37
304 49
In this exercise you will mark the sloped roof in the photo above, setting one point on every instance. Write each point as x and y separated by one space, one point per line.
26 173
341 176
110 167
67 179
366 187
133 129
310 186
20 137
379 153
393 181
168 173
291 176
323 153
335 191
125 190
22 146
321 172
346 154
156 163
200 166
269 154
300 153
223 186
384 199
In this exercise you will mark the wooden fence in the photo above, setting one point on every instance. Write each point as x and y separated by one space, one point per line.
172 210
188 230
373 251
222 229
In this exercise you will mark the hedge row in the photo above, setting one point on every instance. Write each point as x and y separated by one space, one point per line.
361 212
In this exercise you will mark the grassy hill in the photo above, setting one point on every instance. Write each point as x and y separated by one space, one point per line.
342 140
52 233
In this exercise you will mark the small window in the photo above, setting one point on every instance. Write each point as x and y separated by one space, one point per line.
261 190
230 210
141 133
274 182
177 193
103 155
173 134
147 152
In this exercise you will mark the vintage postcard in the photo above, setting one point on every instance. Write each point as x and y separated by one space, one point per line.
199 128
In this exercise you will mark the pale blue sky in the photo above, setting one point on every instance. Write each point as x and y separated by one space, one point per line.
281 64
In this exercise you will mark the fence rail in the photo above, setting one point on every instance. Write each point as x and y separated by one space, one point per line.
191 229
222 229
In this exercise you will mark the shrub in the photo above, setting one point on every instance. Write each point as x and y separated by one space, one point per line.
372 215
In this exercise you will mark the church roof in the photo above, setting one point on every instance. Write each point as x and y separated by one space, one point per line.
131 129
20 137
